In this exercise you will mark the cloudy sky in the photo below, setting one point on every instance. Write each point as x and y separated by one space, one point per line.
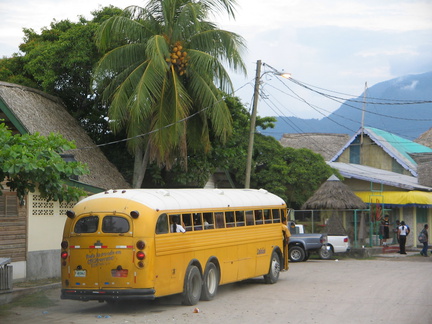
338 45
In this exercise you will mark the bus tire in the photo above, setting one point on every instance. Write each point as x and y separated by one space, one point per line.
296 253
192 286
210 282
274 270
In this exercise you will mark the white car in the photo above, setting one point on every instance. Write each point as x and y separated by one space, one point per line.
335 244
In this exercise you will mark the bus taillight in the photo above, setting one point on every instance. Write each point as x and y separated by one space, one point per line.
64 255
140 245
64 244
140 255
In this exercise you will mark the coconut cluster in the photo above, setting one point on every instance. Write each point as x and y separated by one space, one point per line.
178 58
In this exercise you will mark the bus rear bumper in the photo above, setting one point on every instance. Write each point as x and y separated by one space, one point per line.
107 294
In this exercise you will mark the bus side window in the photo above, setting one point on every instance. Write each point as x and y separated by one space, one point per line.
267 216
258 217
176 220
240 218
276 216
187 221
162 224
249 217
229 219
283 215
197 221
208 220
219 216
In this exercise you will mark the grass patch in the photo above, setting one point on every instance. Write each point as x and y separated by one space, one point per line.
37 300
35 283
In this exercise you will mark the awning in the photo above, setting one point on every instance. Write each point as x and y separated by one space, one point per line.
397 198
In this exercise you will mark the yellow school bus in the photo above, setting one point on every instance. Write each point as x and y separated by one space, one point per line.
148 243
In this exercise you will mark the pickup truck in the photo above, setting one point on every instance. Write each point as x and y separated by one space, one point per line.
301 245
335 244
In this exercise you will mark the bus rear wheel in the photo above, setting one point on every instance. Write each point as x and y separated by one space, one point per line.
211 282
273 274
192 286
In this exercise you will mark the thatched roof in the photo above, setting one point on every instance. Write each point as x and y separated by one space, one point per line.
425 138
333 194
325 144
32 111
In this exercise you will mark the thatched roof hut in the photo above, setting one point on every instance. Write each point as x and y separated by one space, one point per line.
425 138
335 196
324 144
31 111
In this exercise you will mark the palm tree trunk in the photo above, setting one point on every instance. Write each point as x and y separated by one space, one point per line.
140 166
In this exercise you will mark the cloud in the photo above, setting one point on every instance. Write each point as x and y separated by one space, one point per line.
411 86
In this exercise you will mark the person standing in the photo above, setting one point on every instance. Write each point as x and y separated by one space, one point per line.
386 229
403 232
396 230
425 241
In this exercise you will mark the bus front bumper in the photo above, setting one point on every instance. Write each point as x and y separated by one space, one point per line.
107 294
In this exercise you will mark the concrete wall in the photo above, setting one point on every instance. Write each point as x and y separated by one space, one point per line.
43 264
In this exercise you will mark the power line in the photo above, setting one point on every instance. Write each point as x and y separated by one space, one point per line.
338 100
296 97
390 101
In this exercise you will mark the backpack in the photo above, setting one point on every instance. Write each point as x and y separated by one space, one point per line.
422 237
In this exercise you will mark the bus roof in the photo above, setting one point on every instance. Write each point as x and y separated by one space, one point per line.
183 199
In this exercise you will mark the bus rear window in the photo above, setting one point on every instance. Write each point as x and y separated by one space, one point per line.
87 224
115 224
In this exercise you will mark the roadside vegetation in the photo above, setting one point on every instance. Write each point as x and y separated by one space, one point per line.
179 110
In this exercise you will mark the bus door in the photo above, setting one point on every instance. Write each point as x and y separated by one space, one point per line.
104 257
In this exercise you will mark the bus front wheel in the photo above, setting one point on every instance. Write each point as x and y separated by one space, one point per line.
273 274
192 286
211 282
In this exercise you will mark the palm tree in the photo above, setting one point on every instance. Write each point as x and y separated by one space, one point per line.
165 65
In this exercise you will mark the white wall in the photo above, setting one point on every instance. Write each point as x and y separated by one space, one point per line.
45 223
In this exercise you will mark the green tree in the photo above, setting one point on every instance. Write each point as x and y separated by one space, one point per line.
227 156
59 61
168 68
33 161
293 174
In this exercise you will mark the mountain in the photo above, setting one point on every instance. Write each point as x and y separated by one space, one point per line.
386 108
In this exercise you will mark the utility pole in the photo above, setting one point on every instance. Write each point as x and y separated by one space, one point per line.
252 125
363 114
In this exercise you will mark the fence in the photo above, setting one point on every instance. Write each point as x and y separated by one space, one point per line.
361 225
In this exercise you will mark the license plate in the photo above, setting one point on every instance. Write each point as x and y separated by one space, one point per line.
119 273
80 273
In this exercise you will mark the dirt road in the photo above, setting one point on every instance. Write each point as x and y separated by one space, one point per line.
384 290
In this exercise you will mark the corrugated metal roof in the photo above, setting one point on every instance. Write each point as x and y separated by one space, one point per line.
397 147
366 173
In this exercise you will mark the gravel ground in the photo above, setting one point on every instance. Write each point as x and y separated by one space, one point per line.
384 289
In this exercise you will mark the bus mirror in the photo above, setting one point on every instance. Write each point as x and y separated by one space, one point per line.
70 214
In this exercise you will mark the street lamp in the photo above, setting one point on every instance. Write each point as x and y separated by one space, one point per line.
258 76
